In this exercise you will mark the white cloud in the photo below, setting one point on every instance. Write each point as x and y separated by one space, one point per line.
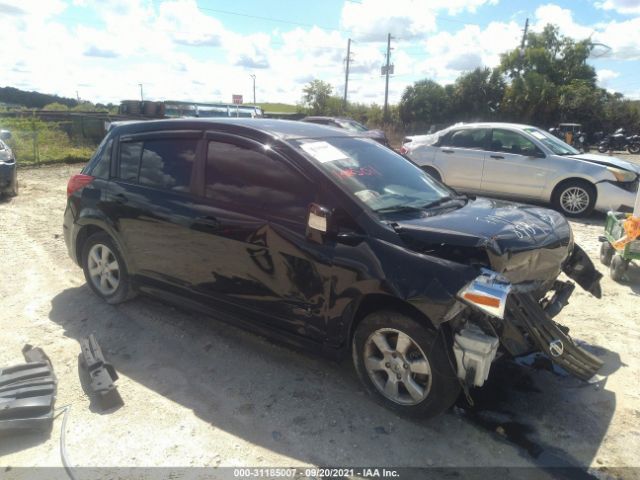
372 20
626 7
605 76
561 17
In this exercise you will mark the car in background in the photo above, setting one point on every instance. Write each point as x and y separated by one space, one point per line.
351 126
331 241
8 171
526 163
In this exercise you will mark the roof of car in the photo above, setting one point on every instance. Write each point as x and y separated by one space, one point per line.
516 126
320 117
284 129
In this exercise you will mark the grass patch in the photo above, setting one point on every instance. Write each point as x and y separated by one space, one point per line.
34 141
279 107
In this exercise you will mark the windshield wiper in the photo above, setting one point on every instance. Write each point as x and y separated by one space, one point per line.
398 208
442 200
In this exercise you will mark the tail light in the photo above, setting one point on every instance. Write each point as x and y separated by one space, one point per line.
404 150
77 182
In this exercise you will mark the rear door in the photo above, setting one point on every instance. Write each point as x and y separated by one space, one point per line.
151 202
514 166
460 158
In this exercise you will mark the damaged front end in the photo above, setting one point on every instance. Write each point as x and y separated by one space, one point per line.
520 318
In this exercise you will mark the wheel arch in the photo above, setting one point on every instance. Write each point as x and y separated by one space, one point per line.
374 302
560 183
91 228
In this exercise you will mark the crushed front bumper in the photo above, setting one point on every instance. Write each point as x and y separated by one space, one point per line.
521 316
551 338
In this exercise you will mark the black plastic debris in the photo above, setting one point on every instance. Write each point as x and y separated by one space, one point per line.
27 393
101 373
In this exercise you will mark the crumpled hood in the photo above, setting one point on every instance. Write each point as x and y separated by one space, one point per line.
523 242
607 161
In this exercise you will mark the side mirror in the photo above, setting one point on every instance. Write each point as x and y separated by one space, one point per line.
318 223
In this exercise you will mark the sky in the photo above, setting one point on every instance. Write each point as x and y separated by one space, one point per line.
207 50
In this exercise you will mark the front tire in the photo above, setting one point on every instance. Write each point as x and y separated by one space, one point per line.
574 198
405 366
105 270
618 268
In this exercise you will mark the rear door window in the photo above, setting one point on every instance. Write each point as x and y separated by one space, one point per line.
129 167
467 138
168 163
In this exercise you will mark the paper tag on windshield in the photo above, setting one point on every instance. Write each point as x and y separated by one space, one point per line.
323 151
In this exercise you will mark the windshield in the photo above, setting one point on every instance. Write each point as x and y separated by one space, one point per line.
377 176
351 125
552 142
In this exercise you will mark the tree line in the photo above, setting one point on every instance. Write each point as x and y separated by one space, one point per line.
545 83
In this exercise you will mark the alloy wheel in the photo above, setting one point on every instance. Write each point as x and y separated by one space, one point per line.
397 366
574 200
104 269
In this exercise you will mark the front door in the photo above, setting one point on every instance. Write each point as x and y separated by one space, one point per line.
513 166
255 258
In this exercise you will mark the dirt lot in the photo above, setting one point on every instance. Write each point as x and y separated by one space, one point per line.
199 392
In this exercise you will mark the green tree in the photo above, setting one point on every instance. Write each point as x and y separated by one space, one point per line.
476 95
423 104
316 97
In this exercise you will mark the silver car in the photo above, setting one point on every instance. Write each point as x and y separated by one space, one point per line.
526 163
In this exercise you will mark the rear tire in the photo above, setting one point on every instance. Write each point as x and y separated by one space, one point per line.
606 253
618 268
634 148
405 366
574 198
432 172
105 269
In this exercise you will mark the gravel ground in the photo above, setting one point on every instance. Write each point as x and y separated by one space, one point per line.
199 392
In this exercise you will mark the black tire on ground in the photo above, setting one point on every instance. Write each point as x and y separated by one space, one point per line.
603 148
580 187
634 148
444 386
124 290
606 253
14 190
618 268
433 173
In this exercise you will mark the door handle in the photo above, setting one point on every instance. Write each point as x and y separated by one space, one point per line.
445 150
121 198
497 156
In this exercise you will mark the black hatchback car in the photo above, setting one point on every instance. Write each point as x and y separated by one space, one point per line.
332 242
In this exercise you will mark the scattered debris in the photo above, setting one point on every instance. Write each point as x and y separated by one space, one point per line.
101 373
28 393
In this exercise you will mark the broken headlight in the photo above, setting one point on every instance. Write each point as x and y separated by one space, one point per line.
488 292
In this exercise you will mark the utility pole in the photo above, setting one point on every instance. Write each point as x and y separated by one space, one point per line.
386 82
77 96
346 74
524 37
253 77
141 95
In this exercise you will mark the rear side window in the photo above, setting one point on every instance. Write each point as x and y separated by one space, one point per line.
163 163
103 163
240 176
468 138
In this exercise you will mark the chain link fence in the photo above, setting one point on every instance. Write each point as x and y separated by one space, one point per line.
68 138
